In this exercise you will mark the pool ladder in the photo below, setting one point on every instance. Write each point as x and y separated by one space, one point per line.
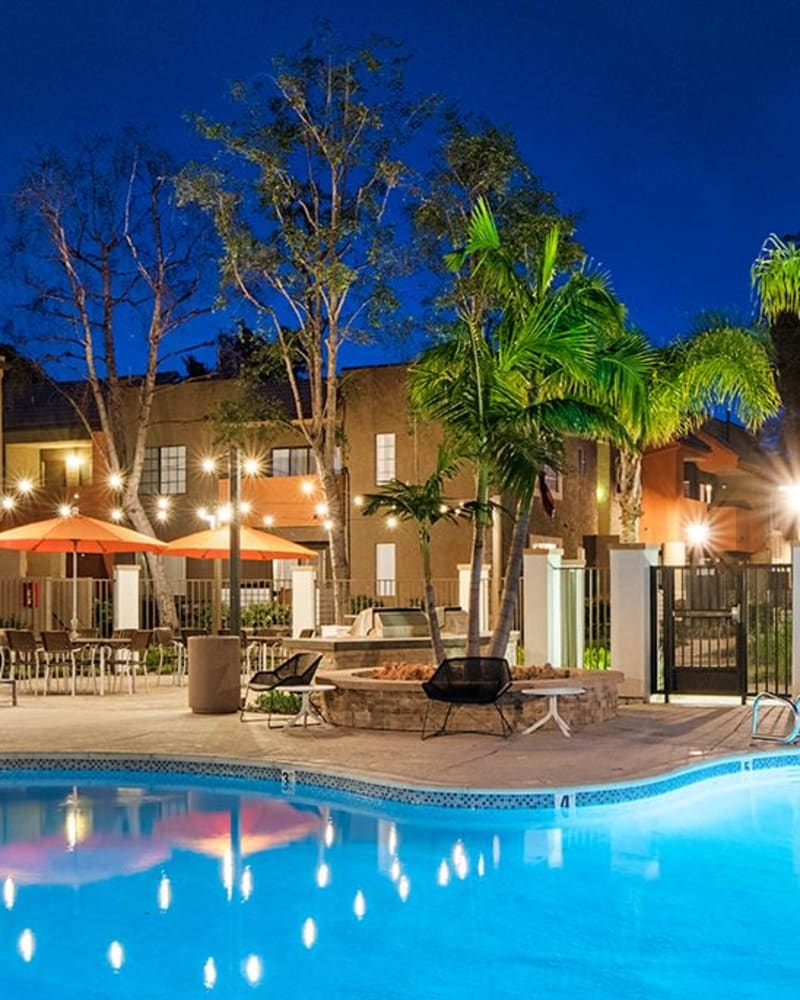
781 701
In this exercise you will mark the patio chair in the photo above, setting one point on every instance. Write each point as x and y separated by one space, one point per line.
25 655
127 659
297 671
781 701
62 656
468 680
165 641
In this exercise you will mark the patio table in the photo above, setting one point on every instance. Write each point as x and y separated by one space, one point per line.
552 694
307 706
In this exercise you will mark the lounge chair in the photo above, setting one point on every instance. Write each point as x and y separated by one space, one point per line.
297 671
468 680
780 701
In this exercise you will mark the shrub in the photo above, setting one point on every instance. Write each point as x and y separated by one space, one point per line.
282 702
265 614
597 658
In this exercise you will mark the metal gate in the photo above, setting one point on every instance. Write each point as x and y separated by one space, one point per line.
721 629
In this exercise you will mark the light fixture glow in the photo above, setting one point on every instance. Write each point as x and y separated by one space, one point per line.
327 524
9 503
307 487
9 893
697 533
64 510
321 509
116 955
26 945
25 486
115 481
74 461
116 514
323 875
391 521
358 501
208 465
162 503
251 467
268 520
164 895
210 974
309 933
253 969
245 507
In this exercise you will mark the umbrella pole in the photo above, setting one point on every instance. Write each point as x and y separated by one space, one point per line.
216 599
74 623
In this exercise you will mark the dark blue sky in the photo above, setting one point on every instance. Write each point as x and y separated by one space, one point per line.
672 127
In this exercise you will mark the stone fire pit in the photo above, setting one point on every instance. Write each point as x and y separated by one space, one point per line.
361 701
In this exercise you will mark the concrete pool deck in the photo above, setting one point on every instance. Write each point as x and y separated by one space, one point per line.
643 740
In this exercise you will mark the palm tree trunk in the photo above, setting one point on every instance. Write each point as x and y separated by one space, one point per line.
476 564
629 485
510 594
430 600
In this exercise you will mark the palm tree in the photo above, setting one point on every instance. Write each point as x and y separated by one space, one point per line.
776 279
553 358
721 366
425 504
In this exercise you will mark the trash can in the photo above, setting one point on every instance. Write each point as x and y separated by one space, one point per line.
214 677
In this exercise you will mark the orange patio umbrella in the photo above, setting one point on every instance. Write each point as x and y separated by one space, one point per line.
214 543
51 861
255 826
77 533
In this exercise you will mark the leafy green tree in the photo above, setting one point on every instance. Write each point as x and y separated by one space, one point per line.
720 366
299 197
425 505
553 359
776 280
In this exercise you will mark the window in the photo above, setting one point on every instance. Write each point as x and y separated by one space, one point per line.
65 467
291 461
553 481
385 581
164 470
581 461
698 485
384 458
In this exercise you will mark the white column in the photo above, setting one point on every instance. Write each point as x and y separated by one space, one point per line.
304 599
630 616
463 594
541 614
795 619
126 596
574 609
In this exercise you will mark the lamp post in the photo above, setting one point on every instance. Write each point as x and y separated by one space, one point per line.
234 473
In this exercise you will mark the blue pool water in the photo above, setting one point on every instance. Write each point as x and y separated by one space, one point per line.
188 889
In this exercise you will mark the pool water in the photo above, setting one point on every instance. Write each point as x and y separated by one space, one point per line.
191 889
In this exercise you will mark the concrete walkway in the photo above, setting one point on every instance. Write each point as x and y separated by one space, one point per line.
643 740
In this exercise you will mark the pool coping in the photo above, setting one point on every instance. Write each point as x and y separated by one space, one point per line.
293 779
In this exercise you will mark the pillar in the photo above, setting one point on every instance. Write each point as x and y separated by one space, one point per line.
304 599
541 612
631 639
126 596
463 594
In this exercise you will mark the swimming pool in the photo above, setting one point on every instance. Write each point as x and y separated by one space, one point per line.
134 885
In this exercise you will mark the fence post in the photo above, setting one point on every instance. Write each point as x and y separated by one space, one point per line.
795 688
304 599
573 612
630 616
126 596
541 613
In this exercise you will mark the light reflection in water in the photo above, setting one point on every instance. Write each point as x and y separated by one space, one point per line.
210 974
116 955
26 945
253 969
9 893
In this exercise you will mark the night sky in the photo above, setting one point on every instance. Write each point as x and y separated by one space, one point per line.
672 127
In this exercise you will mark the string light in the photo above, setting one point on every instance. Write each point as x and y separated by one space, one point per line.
115 481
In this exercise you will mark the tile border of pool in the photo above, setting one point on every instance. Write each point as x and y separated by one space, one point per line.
292 778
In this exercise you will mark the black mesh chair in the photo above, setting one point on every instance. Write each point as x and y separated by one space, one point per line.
297 671
468 680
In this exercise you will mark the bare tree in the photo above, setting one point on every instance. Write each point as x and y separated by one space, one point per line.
113 268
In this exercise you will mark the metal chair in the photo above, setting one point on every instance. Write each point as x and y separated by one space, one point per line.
468 680
166 642
59 656
297 671
25 653
127 659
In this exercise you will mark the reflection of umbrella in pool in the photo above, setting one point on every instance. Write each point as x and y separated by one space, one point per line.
248 829
51 861
77 533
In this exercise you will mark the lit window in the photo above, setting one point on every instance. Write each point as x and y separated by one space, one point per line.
553 481
384 458
164 470
385 573
291 461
